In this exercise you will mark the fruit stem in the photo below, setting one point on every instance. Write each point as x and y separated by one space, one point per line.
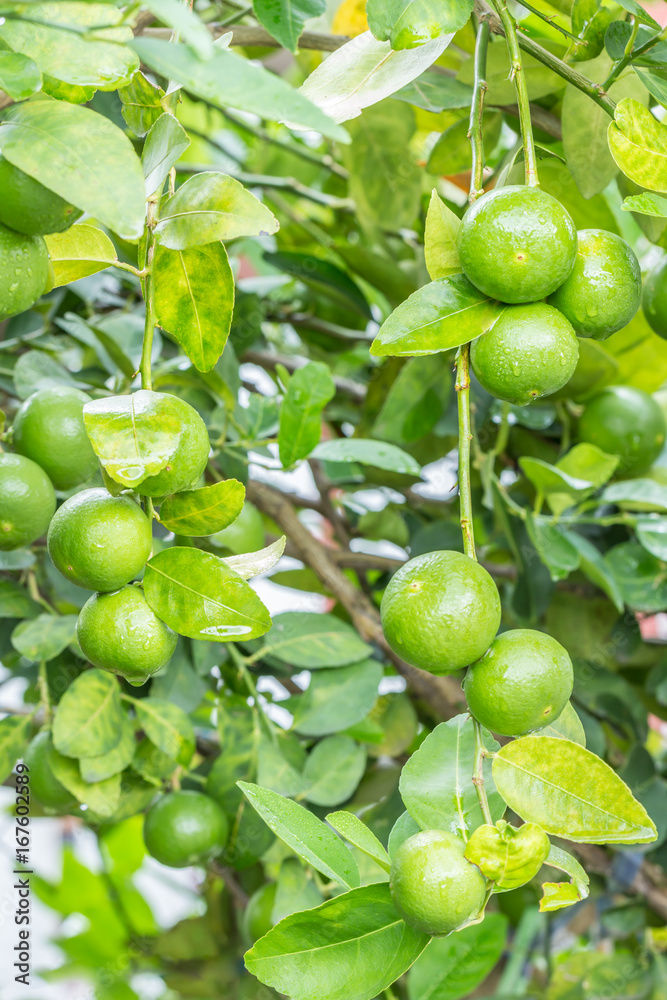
44 691
478 773
477 111
149 298
465 436
519 77
621 63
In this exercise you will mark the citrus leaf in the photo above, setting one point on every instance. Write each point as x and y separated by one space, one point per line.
407 24
639 494
203 511
639 12
105 765
567 726
307 835
350 948
436 782
509 856
437 317
168 727
15 602
569 792
638 143
311 641
103 797
165 142
639 577
378 454
652 534
284 19
249 564
80 155
323 276
44 637
646 204
310 389
89 716
548 478
133 436
442 230
14 733
194 299
555 895
593 564
211 206
79 251
336 699
352 828
184 21
453 967
333 770
197 595
19 75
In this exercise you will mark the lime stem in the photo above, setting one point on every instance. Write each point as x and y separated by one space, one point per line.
478 773
477 111
519 77
465 436
44 691
149 298
621 63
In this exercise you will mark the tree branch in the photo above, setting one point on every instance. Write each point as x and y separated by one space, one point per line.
649 882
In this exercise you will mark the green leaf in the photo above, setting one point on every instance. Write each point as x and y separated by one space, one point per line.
507 855
197 595
637 494
309 641
102 797
168 727
185 22
89 717
80 155
436 782
548 478
141 104
203 511
569 792
323 276
44 637
350 948
194 299
15 602
639 575
284 19
211 206
646 204
337 699
555 895
655 85
79 251
249 564
105 765
596 569
19 75
333 770
364 71
454 966
307 835
442 230
652 534
567 726
554 547
638 143
14 733
433 91
133 436
407 24
437 317
310 389
365 451
352 828
229 80
165 142
639 12
280 765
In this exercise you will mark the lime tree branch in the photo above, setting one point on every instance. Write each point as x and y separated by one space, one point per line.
149 298
621 63
477 112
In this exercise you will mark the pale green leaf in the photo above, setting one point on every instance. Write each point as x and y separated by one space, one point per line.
284 19
638 143
165 142
567 726
79 251
203 511
354 830
185 22
408 24
311 641
105 765
102 797
333 770
337 698
168 727
19 75
555 895
44 637
249 564
14 735
453 967
378 454
310 389
442 229
89 716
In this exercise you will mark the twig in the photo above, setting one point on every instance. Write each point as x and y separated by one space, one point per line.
621 63
477 112
465 496
519 77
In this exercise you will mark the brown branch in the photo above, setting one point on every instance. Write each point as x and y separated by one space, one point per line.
649 882
238 894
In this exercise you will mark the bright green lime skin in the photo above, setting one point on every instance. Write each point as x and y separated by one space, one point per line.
24 271
522 683
517 244
603 291
627 422
99 542
257 915
27 501
245 534
654 299
49 429
43 783
433 887
530 351
121 633
29 207
440 611
189 460
185 828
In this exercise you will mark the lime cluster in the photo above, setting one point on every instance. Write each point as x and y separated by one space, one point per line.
518 245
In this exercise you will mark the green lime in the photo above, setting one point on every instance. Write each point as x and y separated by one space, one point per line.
603 290
654 299
24 271
48 428
522 683
189 461
517 244
627 422
99 542
440 611
121 633
27 501
245 534
29 207
432 885
43 783
257 915
185 828
529 352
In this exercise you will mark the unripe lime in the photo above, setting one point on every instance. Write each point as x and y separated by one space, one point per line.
654 299
99 542
30 208
522 683
517 244
185 828
433 887
245 534
121 633
627 422
440 611
603 290
48 428
189 460
529 352
27 501
257 915
43 783
24 271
